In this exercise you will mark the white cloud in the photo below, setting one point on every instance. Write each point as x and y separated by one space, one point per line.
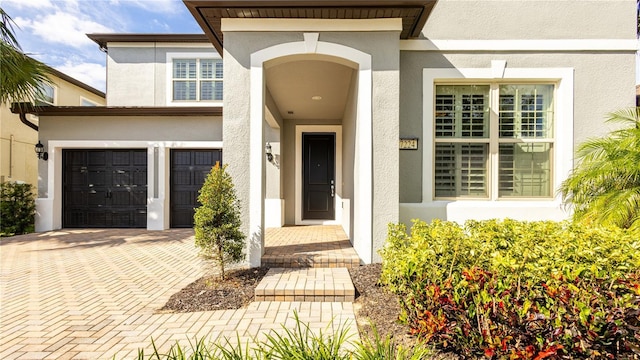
20 4
158 6
64 28
89 73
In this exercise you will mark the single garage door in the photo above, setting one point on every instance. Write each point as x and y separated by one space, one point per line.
189 169
105 188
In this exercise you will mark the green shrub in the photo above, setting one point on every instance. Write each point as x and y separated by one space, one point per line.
217 220
17 209
518 290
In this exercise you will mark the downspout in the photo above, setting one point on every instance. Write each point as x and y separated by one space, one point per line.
22 109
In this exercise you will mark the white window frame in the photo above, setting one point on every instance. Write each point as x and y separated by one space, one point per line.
562 155
55 95
493 141
84 100
169 78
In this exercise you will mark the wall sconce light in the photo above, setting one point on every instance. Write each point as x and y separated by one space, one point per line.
40 151
267 149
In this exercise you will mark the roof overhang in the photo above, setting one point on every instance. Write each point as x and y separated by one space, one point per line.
103 39
209 13
117 111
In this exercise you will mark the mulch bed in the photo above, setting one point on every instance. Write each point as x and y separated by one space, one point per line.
211 293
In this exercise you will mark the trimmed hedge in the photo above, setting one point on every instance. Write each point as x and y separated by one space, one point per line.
17 209
518 290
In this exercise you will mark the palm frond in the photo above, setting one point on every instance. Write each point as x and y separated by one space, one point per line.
21 77
604 186
7 31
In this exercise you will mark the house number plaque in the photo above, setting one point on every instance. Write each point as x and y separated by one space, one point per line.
408 143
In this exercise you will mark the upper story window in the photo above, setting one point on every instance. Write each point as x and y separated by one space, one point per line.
47 95
493 140
197 79
87 102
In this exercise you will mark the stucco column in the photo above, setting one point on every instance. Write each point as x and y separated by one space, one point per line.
243 145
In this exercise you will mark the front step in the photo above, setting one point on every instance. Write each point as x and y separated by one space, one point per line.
307 284
312 260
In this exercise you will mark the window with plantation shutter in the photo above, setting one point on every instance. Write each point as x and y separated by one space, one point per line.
462 140
197 80
468 131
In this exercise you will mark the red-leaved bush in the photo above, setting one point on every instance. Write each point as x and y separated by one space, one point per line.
516 290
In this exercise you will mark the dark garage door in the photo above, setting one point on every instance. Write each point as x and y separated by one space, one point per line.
189 168
105 188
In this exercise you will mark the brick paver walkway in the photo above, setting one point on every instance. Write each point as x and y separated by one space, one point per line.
93 294
323 246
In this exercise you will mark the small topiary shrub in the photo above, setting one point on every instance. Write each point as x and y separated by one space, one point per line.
17 209
518 290
217 220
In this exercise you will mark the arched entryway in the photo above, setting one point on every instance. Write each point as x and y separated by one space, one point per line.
315 109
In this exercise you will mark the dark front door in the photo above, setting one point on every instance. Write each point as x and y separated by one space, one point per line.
104 188
189 169
318 184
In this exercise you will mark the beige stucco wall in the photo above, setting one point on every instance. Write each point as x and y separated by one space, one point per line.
18 161
138 75
532 19
602 83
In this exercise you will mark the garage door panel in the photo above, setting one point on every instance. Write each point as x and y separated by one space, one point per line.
79 197
203 158
181 177
77 176
119 158
96 219
140 159
139 198
96 198
139 178
189 169
76 159
121 178
104 188
97 178
120 198
180 157
96 158
75 216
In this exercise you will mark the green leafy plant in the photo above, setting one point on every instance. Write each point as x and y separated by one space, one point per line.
518 290
303 343
217 220
377 348
17 209
21 76
604 187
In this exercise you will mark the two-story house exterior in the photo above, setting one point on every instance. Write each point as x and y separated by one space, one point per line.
357 113
18 138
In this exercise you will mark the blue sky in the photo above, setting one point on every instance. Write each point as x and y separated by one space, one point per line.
53 31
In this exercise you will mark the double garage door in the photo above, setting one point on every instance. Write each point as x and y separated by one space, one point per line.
108 188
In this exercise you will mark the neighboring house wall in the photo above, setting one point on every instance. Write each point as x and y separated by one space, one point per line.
18 161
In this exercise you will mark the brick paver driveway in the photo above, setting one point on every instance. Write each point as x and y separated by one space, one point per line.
93 294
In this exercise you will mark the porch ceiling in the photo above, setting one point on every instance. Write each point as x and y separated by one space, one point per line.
209 13
294 85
